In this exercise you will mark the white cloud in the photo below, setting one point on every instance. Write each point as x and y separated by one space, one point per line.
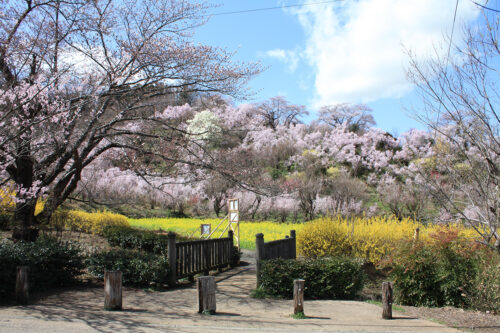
289 57
356 48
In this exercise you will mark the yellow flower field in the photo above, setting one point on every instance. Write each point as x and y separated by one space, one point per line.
191 227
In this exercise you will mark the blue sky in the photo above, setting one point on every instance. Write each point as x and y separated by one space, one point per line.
341 51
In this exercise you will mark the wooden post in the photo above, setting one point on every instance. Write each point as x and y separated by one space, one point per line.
386 300
172 259
298 296
112 290
206 295
230 234
206 258
259 254
294 244
22 285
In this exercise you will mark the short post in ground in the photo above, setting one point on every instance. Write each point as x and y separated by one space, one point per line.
298 296
172 259
387 295
206 294
112 290
22 285
259 254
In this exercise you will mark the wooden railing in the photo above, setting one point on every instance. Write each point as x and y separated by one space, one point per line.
198 257
283 248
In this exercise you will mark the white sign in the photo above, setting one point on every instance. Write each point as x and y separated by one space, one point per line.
205 229
233 217
233 204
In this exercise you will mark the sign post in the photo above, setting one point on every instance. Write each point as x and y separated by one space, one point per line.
233 211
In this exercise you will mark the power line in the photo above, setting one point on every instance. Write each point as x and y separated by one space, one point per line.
484 7
274 8
447 59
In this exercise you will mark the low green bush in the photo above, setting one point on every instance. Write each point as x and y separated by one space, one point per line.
5 219
327 278
485 295
137 267
52 263
130 238
435 274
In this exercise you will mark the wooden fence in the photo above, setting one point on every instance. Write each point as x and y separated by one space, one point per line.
282 248
198 257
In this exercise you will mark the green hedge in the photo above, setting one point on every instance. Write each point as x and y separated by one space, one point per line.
137 267
131 238
5 221
449 273
52 263
327 278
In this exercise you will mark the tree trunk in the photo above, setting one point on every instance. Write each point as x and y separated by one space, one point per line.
25 226
217 205
24 215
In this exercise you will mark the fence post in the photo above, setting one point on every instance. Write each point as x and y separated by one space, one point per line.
206 294
259 254
22 285
230 234
112 290
298 296
386 300
172 259
293 245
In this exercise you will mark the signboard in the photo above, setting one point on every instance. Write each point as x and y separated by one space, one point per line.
234 217
233 205
206 229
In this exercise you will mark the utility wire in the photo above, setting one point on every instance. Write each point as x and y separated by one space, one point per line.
277 7
447 60
487 8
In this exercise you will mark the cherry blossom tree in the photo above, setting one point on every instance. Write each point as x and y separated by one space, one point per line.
80 78
278 111
357 117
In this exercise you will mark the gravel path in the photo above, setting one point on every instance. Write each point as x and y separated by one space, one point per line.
81 310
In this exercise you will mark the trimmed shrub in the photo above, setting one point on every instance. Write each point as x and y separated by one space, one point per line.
5 220
486 292
92 223
52 263
327 278
138 268
438 273
130 238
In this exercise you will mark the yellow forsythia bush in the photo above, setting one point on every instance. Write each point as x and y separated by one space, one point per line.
8 205
92 223
370 239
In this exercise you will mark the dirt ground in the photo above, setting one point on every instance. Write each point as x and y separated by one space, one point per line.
475 321
80 309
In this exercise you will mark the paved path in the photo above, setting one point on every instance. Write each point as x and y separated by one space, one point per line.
175 311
